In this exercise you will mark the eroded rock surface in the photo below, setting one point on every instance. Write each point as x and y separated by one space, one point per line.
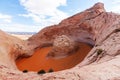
62 46
92 26
75 27
11 48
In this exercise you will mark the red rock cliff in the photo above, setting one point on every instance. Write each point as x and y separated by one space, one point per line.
77 27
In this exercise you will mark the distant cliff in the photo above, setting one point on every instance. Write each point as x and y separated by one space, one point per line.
22 33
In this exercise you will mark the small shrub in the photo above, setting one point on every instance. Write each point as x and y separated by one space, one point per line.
99 51
51 70
25 71
41 72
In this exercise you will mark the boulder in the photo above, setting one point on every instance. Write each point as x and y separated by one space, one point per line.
62 46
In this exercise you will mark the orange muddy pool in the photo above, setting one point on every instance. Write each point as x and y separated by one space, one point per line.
39 61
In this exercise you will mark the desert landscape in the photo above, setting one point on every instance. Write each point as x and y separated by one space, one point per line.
84 46
23 37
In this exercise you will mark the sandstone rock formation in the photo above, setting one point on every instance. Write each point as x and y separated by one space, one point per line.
11 48
74 27
93 26
62 46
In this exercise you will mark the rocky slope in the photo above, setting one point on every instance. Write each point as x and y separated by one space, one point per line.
11 48
74 27
94 26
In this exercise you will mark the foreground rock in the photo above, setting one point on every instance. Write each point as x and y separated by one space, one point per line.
93 26
11 48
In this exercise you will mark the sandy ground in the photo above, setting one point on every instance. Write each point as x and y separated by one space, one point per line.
24 37
39 61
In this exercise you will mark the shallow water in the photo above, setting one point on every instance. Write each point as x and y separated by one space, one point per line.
39 61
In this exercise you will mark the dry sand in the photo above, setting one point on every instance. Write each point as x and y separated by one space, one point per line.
39 61
23 37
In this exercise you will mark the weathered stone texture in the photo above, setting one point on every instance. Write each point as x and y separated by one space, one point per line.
93 26
62 46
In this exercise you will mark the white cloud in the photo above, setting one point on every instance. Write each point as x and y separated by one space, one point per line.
116 2
16 27
44 12
5 18
43 7
115 6
6 24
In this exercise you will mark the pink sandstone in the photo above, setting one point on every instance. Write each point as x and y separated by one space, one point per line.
94 26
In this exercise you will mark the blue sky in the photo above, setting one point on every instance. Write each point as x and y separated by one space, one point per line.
33 15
